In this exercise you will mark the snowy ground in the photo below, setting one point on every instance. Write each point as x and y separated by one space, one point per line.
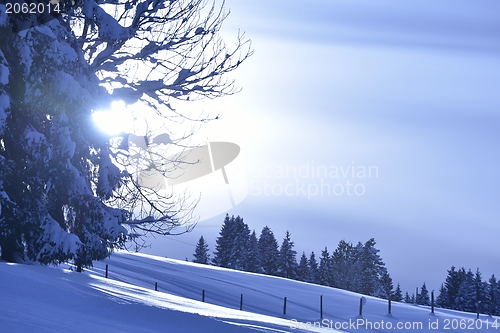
45 299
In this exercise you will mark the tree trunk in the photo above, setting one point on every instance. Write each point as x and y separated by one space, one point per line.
11 250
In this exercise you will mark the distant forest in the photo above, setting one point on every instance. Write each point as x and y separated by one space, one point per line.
358 268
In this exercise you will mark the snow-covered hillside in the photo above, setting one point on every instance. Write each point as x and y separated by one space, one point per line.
45 299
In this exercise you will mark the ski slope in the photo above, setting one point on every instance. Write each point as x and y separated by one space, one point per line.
45 299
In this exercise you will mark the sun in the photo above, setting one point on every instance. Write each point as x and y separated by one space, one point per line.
114 121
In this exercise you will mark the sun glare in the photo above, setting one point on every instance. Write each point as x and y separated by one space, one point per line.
114 121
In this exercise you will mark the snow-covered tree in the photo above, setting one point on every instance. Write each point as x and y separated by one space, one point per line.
465 291
287 261
201 254
313 268
324 268
269 251
408 299
423 297
397 296
67 191
451 288
459 291
369 268
58 176
343 266
10 228
239 245
253 256
232 244
303 272
466 295
480 292
493 290
442 299
223 243
385 286
355 278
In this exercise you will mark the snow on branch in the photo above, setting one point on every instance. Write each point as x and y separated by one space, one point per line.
160 49
66 192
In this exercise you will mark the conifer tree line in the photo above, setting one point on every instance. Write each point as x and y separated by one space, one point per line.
358 268
466 291
463 290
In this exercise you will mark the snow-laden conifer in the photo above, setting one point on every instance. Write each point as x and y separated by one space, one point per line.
287 261
201 254
67 191
269 251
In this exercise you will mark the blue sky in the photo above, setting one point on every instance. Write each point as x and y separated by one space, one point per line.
410 87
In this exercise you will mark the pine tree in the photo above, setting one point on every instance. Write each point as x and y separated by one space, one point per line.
398 294
465 291
68 193
407 298
343 266
385 286
480 292
369 268
269 251
287 262
493 296
232 244
313 269
324 268
223 243
356 271
423 297
57 176
201 254
239 245
253 255
442 299
303 271
331 271
466 295
454 285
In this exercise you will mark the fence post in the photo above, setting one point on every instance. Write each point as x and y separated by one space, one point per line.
106 271
361 306
432 301
156 286
321 307
389 305
241 302
203 295
284 306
